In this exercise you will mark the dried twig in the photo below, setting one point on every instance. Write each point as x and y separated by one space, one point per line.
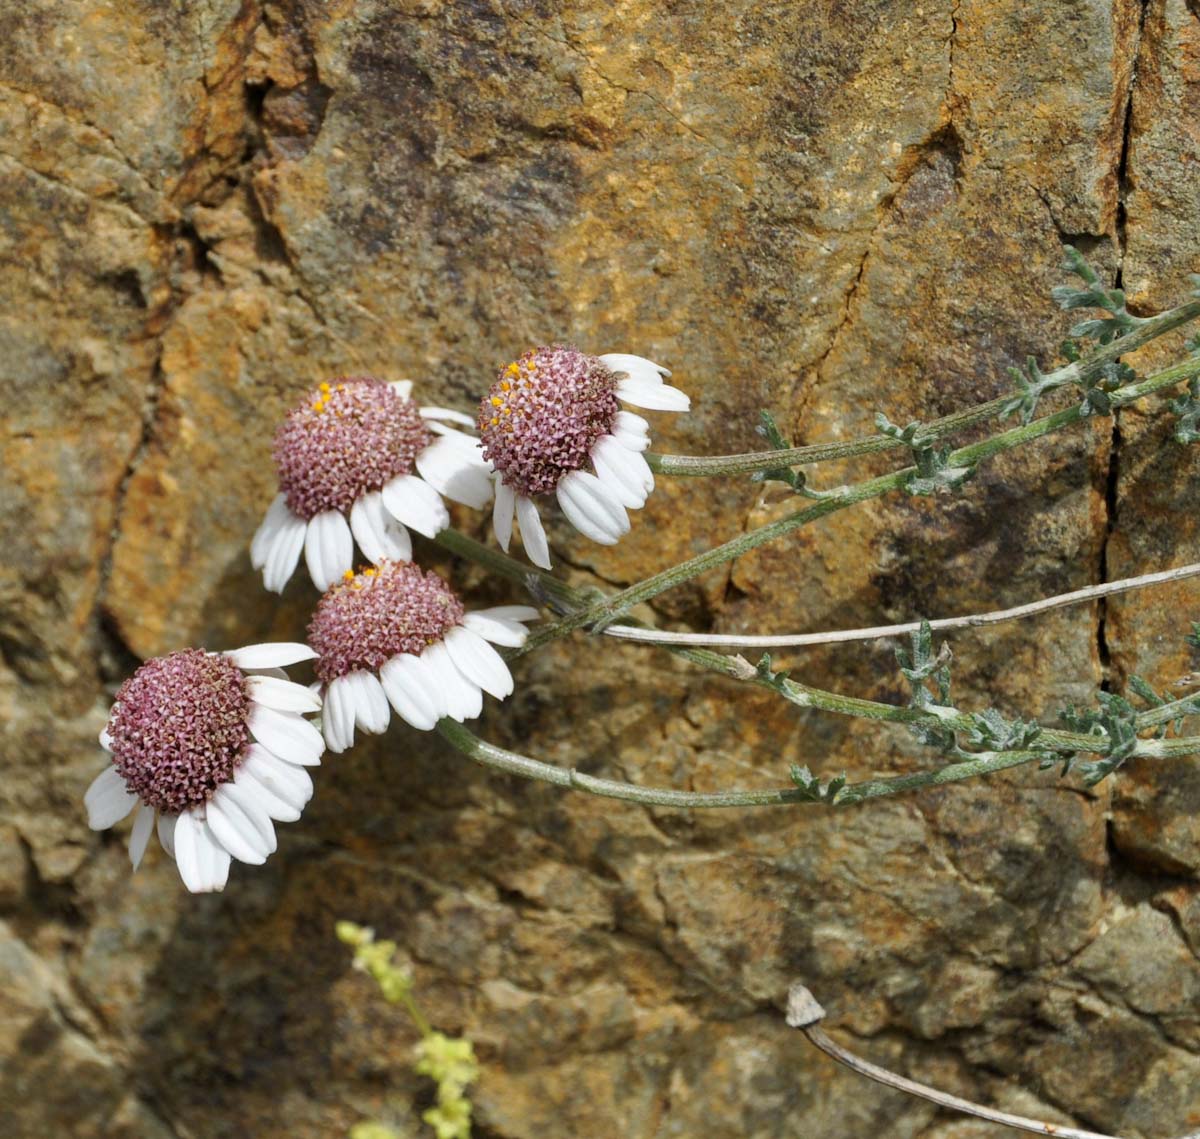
804 1013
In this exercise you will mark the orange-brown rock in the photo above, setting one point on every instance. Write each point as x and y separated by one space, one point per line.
822 209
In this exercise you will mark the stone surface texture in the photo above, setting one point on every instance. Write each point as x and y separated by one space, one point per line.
823 208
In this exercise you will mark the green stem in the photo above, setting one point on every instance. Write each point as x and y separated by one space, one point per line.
513 763
803 695
610 609
1079 372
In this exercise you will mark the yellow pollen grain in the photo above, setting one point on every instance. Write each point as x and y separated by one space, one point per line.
325 388
318 406
348 575
497 401
495 420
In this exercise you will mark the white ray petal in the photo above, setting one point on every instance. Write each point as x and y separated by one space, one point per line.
502 513
635 367
337 720
631 431
371 710
328 548
291 783
377 533
283 695
107 800
267 801
260 545
270 655
415 503
615 468
448 414
166 832
283 553
235 831
533 537
143 825
653 397
231 794
402 388
512 612
496 629
203 862
593 509
412 690
286 735
463 700
105 739
460 474
479 662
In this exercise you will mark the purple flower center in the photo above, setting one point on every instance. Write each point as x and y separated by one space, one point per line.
178 728
542 417
378 613
349 437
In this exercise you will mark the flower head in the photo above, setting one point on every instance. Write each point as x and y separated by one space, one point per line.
396 635
213 747
552 423
359 461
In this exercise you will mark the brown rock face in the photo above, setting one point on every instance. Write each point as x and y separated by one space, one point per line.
820 208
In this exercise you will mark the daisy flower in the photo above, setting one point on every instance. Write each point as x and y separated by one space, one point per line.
394 634
359 461
552 422
212 748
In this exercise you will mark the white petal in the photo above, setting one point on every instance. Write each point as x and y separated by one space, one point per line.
271 655
412 690
286 735
267 801
631 431
166 832
337 719
230 796
235 831
615 467
448 414
105 739
496 629
328 548
415 503
143 824
635 367
107 800
511 612
479 662
654 397
371 710
377 533
463 700
283 552
461 475
533 537
403 388
502 513
203 862
592 508
260 546
284 695
291 783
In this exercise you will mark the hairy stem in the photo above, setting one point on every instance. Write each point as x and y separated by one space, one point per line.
1079 371
604 612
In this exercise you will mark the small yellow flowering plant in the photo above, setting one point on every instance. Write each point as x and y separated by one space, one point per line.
448 1061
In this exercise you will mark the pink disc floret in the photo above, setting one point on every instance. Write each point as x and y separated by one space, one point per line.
544 414
349 437
378 613
178 728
